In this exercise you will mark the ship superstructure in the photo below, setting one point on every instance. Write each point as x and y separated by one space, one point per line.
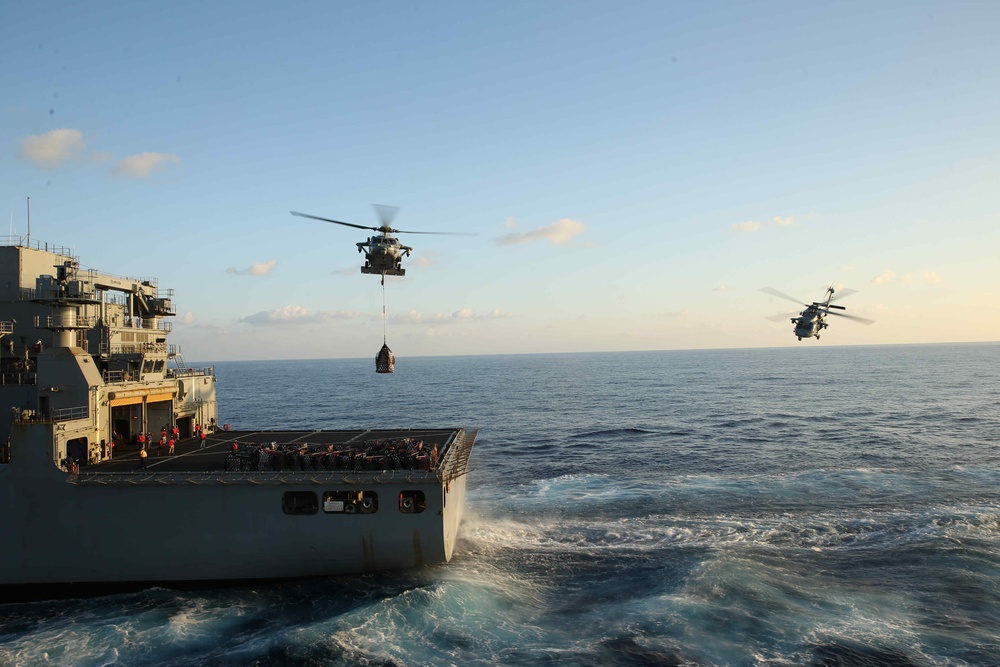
85 378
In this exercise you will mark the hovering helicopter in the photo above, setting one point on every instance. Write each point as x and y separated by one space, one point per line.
383 253
811 321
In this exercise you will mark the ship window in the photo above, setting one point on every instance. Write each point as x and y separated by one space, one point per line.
412 502
350 502
299 502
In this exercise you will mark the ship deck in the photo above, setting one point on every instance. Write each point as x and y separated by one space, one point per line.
348 450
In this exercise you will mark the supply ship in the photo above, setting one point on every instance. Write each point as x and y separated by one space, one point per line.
95 495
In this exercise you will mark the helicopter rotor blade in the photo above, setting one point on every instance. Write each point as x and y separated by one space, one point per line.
386 214
404 231
843 293
782 295
856 318
782 317
337 222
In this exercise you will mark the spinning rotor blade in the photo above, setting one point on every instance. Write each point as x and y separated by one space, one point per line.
782 295
782 317
842 293
404 231
862 320
386 214
338 222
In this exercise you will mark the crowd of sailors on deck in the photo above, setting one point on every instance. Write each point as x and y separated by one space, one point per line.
390 454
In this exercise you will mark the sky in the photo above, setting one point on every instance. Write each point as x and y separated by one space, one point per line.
633 172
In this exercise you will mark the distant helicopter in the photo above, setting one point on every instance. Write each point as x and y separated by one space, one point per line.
811 321
383 253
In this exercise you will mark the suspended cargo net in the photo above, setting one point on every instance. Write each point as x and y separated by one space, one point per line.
385 361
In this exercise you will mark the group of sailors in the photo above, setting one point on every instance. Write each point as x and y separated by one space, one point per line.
169 437
391 454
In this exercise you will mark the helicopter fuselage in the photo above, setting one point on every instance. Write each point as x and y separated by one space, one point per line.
809 323
383 255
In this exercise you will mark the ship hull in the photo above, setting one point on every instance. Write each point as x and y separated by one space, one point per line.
184 523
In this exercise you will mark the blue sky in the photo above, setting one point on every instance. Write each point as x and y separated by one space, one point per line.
634 172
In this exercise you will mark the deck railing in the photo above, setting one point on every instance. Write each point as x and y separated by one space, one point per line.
456 459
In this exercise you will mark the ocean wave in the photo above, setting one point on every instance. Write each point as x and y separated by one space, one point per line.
611 433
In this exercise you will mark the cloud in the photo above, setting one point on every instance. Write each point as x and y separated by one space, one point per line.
463 314
52 148
297 315
722 288
510 223
751 226
142 165
425 259
560 232
186 318
255 269
63 145
886 276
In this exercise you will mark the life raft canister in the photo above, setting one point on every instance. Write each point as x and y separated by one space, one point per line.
385 361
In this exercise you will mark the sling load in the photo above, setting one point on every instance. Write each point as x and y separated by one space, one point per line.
385 360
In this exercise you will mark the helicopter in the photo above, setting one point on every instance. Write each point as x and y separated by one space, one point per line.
812 320
383 253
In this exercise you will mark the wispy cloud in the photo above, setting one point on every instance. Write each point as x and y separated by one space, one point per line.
142 165
559 232
751 226
255 269
722 288
463 314
53 148
298 315
889 276
425 259
58 147
187 318
886 276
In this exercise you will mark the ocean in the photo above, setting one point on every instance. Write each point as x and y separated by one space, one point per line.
811 505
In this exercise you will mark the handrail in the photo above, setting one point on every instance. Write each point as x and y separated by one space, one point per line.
353 477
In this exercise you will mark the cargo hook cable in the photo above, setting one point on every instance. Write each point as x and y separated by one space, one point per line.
383 309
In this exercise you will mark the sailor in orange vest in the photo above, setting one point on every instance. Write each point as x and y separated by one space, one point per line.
170 446
201 434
